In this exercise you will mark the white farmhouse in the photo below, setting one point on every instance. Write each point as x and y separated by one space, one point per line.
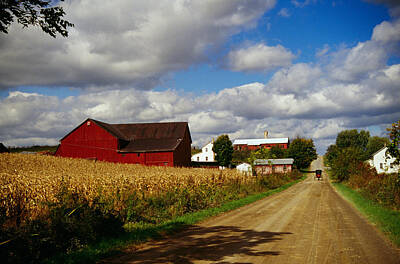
206 154
383 163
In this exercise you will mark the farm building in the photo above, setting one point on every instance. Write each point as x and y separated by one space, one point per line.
206 154
3 148
254 144
383 163
244 168
268 166
153 144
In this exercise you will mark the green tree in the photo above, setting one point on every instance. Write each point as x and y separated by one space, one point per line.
43 13
345 164
223 150
353 138
276 152
240 156
331 154
393 147
376 143
261 153
303 152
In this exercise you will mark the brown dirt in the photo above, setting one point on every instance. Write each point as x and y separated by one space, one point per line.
307 223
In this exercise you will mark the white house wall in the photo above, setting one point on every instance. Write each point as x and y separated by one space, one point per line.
206 154
383 165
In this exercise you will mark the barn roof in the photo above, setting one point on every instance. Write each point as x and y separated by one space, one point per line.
3 148
145 137
255 142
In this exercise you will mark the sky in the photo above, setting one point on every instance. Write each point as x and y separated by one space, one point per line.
307 68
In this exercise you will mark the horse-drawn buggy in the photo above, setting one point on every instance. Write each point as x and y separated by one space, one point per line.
318 174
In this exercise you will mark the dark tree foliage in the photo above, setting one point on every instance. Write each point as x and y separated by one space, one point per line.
345 164
276 152
376 143
331 154
36 13
352 138
393 147
240 156
303 152
223 150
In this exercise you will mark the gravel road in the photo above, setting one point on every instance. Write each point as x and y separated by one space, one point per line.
307 223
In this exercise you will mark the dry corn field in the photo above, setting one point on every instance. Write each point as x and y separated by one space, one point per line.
36 179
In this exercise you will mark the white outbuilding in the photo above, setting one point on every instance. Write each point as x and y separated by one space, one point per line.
206 154
244 168
383 163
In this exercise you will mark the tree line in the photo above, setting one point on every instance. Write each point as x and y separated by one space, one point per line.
352 148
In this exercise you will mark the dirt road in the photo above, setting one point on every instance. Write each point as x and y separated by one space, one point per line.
307 223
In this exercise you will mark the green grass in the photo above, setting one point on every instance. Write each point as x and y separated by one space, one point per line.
388 221
141 232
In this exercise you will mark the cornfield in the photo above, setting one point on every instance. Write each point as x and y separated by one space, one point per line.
29 182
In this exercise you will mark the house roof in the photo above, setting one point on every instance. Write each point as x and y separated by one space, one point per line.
273 161
144 137
256 142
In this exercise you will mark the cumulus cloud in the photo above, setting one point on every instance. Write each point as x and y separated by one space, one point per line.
125 43
305 99
259 57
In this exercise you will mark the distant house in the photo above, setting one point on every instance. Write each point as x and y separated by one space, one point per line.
159 144
244 168
206 154
269 166
3 149
383 163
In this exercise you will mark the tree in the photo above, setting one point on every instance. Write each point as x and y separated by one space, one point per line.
353 138
376 143
331 154
345 164
41 13
393 147
303 152
276 152
223 150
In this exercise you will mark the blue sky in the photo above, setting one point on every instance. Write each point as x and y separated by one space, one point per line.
295 68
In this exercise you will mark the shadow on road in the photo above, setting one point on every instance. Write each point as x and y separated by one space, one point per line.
202 243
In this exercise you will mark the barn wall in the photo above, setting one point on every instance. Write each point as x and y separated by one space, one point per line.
268 169
89 141
182 154
256 147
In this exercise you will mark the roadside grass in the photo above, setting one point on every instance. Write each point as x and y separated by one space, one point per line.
141 232
387 220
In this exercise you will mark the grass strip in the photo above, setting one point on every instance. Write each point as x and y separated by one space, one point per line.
142 232
387 220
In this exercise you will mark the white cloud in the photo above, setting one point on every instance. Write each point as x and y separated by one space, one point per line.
259 57
302 4
284 12
125 43
307 99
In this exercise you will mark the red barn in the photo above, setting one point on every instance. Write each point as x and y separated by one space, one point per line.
158 144
254 144
269 166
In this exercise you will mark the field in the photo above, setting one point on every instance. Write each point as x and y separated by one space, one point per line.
52 205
